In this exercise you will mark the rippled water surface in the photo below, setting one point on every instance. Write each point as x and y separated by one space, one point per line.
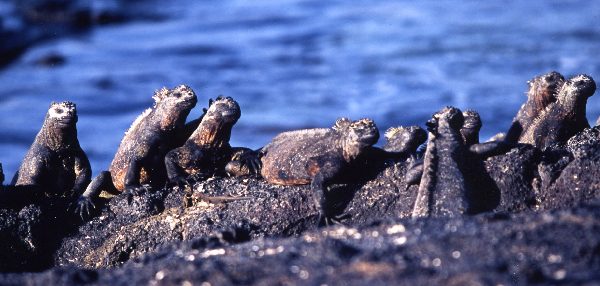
298 64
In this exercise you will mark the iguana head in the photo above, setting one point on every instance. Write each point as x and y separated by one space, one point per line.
359 135
582 85
404 139
446 120
574 93
543 89
181 96
215 128
471 127
223 109
62 114
171 106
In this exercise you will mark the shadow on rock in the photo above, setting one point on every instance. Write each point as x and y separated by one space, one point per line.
30 235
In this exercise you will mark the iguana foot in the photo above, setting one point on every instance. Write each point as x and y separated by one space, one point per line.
83 207
325 220
138 190
179 182
197 178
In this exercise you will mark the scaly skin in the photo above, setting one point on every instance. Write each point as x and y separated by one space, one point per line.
317 156
139 161
55 162
404 139
471 127
476 151
443 190
542 92
564 118
207 152
470 134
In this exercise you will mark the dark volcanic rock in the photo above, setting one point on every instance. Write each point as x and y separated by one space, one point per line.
384 196
529 248
16 233
576 180
155 219
30 235
538 233
123 231
513 174
589 137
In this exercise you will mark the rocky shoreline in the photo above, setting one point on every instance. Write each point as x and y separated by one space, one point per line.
538 233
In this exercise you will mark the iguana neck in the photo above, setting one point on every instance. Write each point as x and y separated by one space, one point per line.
211 133
57 137
574 106
538 98
470 136
425 199
170 120
349 151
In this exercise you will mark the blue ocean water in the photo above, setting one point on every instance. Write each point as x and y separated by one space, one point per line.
302 63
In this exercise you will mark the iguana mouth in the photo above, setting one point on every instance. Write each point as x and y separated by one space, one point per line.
229 113
470 125
189 101
67 120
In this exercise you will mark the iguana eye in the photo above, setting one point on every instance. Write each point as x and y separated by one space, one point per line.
59 110
177 94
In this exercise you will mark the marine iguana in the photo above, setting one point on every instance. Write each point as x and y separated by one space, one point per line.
471 127
207 152
443 190
404 139
564 118
475 151
55 163
317 157
470 134
139 161
542 92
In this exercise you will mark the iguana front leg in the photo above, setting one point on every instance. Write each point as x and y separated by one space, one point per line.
243 162
323 170
132 180
83 173
185 164
85 202
489 149
414 173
